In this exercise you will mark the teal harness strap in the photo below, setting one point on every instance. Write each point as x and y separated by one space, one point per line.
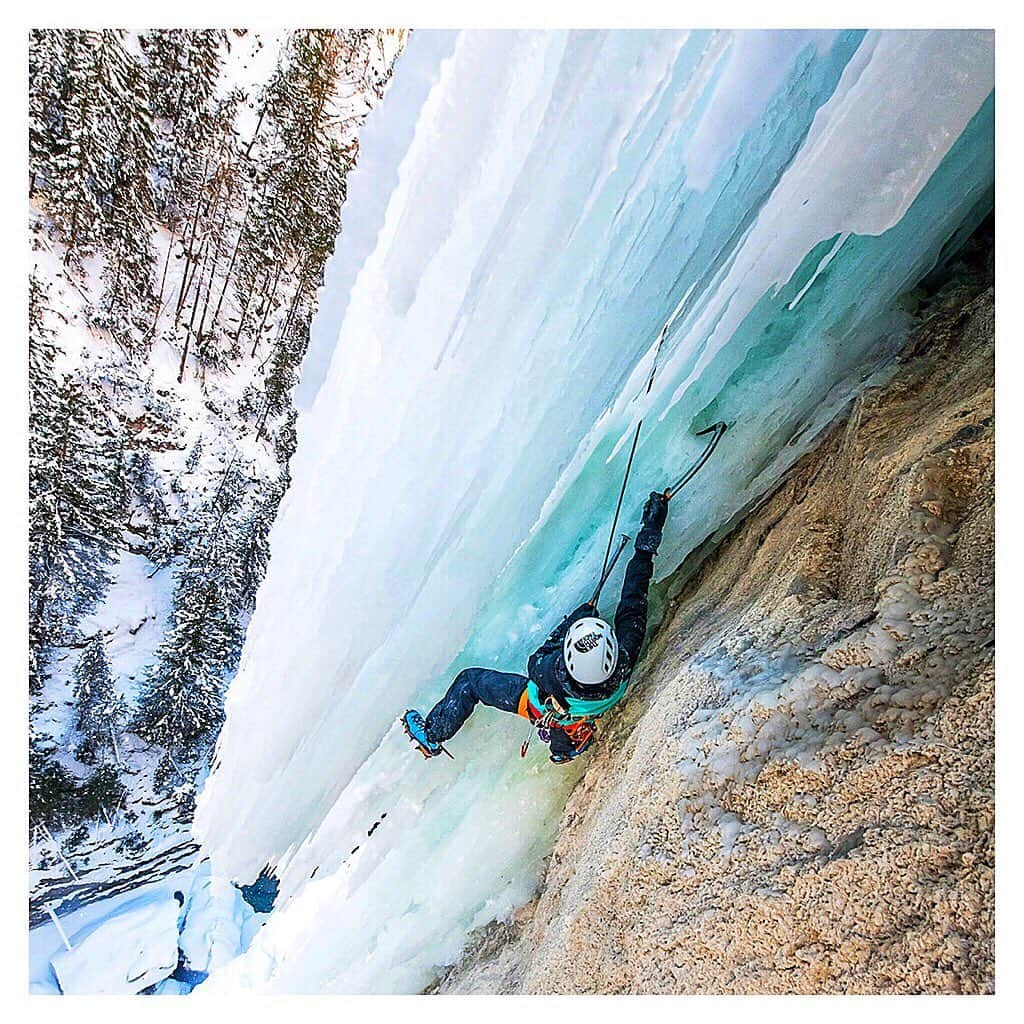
578 709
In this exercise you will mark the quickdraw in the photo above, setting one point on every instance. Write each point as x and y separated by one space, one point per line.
580 732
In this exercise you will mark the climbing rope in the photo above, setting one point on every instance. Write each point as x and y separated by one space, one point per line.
662 334
717 429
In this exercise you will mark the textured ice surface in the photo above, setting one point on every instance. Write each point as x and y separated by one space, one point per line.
457 472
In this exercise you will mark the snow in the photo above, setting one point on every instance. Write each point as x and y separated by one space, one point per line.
88 968
127 943
136 608
132 616
457 472
218 923
124 953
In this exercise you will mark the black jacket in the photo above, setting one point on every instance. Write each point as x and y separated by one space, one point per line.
546 666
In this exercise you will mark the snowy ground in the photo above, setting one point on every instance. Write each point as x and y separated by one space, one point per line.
46 941
109 856
128 943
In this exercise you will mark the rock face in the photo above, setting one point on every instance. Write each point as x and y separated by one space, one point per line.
799 795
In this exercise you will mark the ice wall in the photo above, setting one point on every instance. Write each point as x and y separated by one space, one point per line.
368 187
457 472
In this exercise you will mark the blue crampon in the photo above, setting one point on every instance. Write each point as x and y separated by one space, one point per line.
416 730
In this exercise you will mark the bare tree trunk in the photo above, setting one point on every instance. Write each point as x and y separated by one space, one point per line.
213 269
191 242
163 281
256 133
231 262
117 752
199 288
188 281
51 554
245 310
60 853
266 312
296 299
72 239
201 264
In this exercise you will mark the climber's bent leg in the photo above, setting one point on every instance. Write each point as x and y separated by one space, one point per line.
471 686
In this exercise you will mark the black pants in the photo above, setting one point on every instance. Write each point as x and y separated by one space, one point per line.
474 686
470 687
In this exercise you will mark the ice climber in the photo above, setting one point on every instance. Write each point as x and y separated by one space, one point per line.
578 673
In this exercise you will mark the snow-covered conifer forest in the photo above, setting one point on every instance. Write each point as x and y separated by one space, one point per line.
185 192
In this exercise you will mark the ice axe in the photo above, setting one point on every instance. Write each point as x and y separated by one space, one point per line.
717 430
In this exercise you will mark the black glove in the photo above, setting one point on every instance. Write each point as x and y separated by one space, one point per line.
655 514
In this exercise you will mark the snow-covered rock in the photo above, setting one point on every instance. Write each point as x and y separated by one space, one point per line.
124 953
218 924
786 804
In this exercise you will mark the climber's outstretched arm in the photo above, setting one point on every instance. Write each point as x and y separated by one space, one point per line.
631 615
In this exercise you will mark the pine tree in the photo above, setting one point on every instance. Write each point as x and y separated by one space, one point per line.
182 703
76 508
42 356
286 440
91 138
300 169
52 789
282 376
251 543
100 710
184 67
128 273
144 485
101 794
183 699
44 416
194 456
47 87
80 176
36 668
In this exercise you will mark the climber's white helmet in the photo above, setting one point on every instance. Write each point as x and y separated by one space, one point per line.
591 651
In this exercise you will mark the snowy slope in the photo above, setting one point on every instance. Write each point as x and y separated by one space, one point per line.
193 430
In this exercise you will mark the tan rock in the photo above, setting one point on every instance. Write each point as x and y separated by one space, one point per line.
798 796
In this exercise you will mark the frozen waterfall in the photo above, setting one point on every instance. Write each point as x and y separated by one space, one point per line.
529 210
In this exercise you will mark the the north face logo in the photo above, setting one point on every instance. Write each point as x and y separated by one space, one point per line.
587 643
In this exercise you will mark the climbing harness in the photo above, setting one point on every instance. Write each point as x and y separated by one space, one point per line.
580 732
